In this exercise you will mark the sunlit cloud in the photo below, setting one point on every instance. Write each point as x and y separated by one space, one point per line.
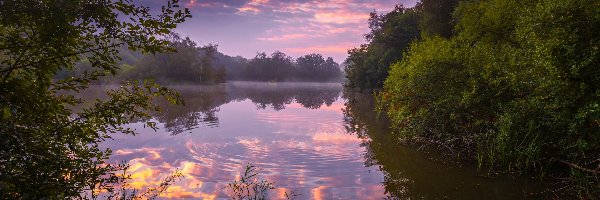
204 4
248 9
334 48
250 26
284 37
192 3
341 17
252 7
316 24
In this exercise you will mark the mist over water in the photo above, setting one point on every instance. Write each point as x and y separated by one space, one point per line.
311 138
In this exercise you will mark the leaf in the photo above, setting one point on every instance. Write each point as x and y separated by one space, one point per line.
6 113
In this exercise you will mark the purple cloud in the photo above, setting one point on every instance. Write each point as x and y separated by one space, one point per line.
296 27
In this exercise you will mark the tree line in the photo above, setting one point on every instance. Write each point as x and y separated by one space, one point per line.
280 67
190 63
513 84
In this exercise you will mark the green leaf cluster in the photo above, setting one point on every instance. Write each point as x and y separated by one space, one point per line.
189 63
518 83
47 150
391 34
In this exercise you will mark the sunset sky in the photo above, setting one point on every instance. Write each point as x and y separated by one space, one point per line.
296 27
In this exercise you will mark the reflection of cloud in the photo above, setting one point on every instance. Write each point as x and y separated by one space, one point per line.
299 149
317 193
335 139
146 154
148 176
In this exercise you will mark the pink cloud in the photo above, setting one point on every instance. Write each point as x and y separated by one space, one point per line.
284 37
253 7
296 25
195 4
341 17
334 48
320 20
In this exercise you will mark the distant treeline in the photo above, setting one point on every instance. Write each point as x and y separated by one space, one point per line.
190 63
280 67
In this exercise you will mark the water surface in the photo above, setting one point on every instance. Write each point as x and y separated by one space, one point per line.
314 139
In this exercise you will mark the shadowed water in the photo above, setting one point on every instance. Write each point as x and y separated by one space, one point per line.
315 139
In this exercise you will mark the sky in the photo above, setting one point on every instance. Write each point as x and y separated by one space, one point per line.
295 27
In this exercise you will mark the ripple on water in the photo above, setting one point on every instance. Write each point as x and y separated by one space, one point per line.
323 159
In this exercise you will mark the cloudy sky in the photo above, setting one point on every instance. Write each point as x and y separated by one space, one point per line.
296 27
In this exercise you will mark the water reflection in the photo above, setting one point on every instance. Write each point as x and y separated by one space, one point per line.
277 96
302 137
413 174
202 102
201 107
293 133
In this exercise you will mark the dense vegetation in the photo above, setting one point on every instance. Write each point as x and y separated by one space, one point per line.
391 34
193 64
517 84
190 64
48 151
280 67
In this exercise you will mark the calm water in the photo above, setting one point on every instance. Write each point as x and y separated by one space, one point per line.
315 139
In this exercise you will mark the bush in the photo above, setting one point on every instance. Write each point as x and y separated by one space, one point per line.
518 84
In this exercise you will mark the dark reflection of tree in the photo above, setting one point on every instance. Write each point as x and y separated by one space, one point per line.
202 102
263 96
361 119
201 106
278 95
414 174
314 99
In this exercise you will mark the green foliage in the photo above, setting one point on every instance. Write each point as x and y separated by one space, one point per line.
518 84
277 67
367 66
280 67
189 64
47 150
436 17
391 34
314 68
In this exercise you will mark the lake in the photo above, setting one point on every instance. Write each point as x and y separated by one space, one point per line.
313 139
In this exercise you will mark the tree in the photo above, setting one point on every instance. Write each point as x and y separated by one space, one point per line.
283 65
332 70
314 67
47 151
280 67
518 86
436 17
277 67
367 66
189 64
309 66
